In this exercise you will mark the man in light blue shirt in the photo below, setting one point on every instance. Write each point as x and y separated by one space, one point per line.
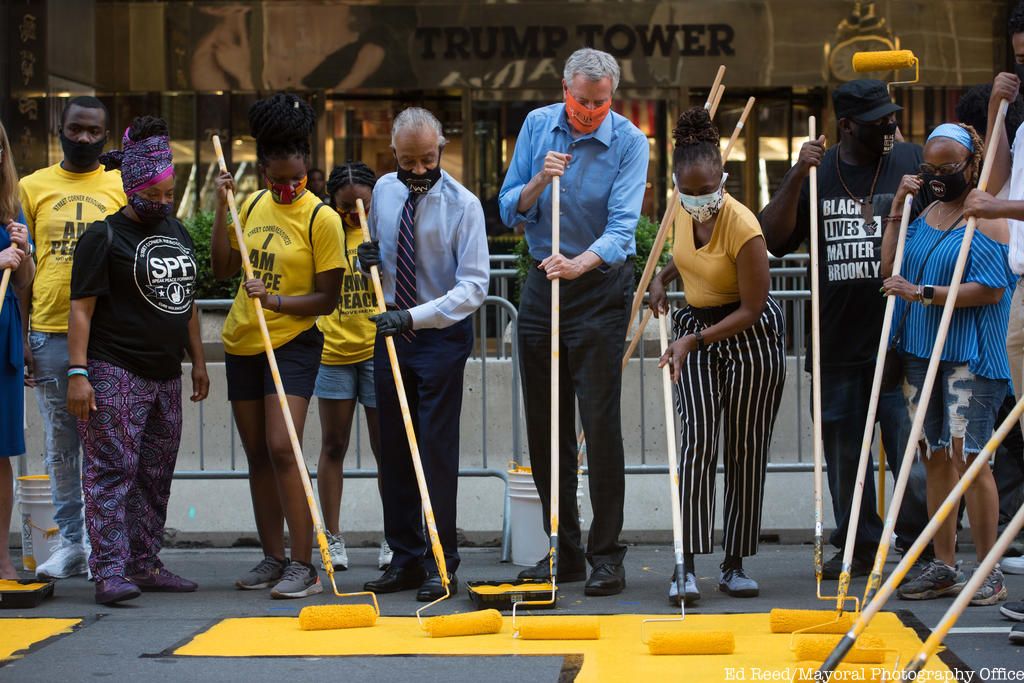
430 243
601 159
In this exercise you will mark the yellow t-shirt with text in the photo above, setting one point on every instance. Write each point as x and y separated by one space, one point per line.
709 273
287 247
59 206
348 331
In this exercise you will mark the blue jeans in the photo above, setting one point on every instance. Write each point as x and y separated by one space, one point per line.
63 450
844 402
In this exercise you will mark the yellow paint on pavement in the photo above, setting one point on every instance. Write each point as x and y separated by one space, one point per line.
20 634
618 655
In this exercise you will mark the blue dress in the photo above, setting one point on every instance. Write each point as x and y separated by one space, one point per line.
12 368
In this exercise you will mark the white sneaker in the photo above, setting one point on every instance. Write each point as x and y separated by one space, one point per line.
384 556
1012 565
339 556
67 560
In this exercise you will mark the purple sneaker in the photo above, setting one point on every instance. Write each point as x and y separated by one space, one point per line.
162 581
115 589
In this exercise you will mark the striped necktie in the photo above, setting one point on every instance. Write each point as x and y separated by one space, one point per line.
405 270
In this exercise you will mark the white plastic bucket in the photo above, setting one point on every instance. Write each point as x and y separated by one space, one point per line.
529 542
39 534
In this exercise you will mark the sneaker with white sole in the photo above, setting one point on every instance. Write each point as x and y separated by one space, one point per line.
67 560
992 591
299 580
691 593
339 555
936 580
1016 634
264 575
1012 565
1013 610
385 555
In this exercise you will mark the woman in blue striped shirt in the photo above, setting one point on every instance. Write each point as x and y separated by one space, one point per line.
974 374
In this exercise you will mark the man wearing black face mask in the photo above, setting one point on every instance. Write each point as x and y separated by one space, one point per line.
430 243
60 202
857 180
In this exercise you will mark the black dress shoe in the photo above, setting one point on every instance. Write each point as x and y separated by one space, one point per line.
859 566
567 572
606 579
396 579
432 589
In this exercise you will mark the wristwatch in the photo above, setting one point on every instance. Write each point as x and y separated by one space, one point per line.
927 295
699 336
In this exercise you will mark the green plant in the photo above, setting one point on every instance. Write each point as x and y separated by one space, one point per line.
199 227
646 231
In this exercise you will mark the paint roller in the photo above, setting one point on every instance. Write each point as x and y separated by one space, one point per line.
553 628
887 60
875 596
679 642
870 649
469 623
341 616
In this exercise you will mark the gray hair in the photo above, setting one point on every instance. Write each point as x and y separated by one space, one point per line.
593 65
414 118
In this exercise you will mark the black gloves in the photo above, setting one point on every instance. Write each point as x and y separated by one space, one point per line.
369 254
391 323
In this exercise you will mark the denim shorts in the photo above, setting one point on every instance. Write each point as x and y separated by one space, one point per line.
346 382
249 377
962 406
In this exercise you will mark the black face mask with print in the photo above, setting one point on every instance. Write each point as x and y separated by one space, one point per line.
879 138
947 188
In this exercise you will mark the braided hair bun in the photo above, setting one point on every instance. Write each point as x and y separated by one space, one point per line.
282 125
146 127
696 139
694 126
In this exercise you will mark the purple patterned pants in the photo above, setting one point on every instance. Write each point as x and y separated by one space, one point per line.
131 445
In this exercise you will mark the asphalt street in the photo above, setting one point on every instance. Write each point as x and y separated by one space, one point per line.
133 642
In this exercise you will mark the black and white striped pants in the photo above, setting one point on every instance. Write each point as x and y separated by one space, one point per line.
732 388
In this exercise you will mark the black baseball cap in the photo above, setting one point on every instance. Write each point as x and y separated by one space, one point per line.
863 100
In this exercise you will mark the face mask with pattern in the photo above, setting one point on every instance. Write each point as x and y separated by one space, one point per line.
285 193
703 207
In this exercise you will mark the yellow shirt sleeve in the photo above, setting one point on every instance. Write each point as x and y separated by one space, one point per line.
743 227
28 208
328 241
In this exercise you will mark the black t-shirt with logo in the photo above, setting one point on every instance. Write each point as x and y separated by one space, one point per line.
144 278
850 250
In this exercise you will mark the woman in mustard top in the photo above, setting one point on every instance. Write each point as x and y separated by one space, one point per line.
346 368
727 358
294 243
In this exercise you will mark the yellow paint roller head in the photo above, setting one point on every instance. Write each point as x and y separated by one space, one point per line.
326 617
868 650
789 620
468 624
558 628
692 643
884 60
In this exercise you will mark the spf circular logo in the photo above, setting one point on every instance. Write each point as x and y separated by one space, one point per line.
165 272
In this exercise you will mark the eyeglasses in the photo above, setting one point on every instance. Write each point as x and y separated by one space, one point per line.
944 169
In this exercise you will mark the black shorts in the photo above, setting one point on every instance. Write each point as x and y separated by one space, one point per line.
298 361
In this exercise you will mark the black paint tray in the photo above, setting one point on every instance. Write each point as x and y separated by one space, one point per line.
524 591
25 599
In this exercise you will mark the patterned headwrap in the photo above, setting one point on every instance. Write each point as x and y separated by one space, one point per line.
143 163
953 132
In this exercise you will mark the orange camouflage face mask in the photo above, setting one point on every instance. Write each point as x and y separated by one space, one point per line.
582 119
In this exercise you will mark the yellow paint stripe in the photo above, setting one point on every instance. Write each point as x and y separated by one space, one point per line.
20 634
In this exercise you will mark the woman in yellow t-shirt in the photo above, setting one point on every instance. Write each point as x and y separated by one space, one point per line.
727 359
346 368
294 244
